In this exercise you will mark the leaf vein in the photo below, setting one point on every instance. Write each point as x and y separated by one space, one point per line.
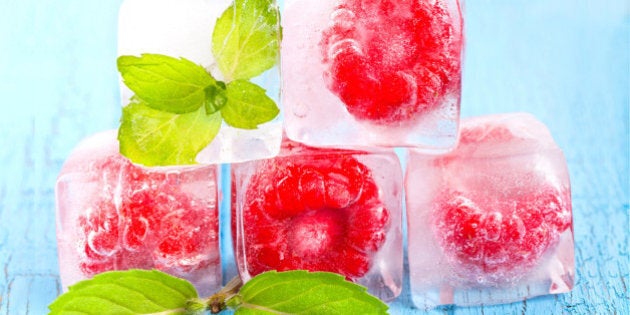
149 133
147 297
253 53
227 38
165 78
188 131
243 43
328 301
328 298
263 308
105 299
251 296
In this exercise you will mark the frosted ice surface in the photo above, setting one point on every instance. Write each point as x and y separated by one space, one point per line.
491 219
370 82
503 135
172 28
158 25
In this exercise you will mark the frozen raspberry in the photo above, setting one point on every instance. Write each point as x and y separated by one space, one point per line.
143 220
497 242
144 211
314 232
317 210
186 239
368 232
101 228
389 60
93 263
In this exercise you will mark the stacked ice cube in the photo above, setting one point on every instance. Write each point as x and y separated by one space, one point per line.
490 222
114 215
375 72
321 209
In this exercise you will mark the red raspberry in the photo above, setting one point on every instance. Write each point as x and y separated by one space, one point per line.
497 242
389 60
141 212
99 229
368 232
149 224
314 232
186 240
318 210
93 267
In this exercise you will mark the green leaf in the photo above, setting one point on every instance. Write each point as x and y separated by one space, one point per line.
245 40
247 105
305 292
215 97
126 292
156 138
166 83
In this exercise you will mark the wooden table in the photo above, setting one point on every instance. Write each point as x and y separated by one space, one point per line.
565 61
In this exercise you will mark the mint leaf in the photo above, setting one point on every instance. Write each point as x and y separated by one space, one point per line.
153 137
245 40
247 105
305 292
126 292
166 83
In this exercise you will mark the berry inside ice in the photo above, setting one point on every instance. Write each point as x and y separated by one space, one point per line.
142 219
498 242
497 216
390 61
320 211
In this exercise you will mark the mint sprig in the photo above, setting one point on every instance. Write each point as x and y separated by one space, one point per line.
178 107
155 292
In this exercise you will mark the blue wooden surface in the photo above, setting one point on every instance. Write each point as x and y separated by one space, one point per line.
565 61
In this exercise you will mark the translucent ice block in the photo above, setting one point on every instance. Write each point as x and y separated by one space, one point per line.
113 215
490 222
373 72
321 210
184 29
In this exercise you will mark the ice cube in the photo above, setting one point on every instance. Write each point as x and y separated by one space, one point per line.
184 29
113 215
333 210
373 72
490 222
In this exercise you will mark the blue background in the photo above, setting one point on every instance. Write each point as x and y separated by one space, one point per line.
565 61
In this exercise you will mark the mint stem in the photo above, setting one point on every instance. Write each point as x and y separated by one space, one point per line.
218 302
